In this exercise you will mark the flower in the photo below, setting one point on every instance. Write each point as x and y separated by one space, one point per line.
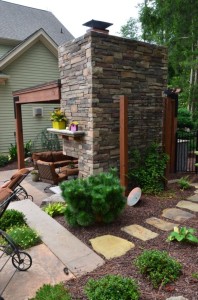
58 115
74 123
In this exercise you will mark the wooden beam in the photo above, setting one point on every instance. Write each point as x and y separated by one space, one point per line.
124 143
19 136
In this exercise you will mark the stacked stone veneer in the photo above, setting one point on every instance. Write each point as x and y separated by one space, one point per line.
96 69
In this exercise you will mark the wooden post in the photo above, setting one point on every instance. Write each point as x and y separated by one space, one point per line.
170 128
19 136
124 142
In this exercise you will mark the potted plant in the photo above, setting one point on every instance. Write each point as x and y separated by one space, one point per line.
35 175
58 119
73 126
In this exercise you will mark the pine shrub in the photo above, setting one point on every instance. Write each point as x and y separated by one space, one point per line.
92 199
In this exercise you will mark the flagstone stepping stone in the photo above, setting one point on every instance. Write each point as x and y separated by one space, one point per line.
111 246
188 205
161 224
193 198
176 214
140 232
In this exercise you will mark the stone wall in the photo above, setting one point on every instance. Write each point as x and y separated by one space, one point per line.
96 69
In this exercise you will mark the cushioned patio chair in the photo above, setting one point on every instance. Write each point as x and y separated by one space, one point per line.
48 174
6 195
14 184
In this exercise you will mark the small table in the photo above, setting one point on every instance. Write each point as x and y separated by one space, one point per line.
69 171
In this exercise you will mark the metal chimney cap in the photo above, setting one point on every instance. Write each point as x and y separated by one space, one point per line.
97 24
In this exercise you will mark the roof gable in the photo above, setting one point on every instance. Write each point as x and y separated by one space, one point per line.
39 35
17 22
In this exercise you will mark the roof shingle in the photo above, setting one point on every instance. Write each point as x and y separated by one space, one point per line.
17 22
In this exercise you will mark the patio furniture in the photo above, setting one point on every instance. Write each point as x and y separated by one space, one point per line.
70 171
47 172
14 183
56 157
21 260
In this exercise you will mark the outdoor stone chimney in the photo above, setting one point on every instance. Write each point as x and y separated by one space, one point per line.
95 70
98 26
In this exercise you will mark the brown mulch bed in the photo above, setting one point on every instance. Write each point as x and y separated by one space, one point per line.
147 207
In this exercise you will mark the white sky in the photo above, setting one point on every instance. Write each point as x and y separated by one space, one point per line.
73 13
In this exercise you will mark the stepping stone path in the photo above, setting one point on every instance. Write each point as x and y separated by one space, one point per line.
140 232
111 246
188 205
161 224
176 214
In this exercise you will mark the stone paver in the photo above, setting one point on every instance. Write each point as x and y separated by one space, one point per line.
140 232
161 224
193 198
176 214
188 205
46 268
111 246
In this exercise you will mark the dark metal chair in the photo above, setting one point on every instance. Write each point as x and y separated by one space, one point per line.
21 260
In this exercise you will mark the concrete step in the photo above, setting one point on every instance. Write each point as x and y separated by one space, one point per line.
79 258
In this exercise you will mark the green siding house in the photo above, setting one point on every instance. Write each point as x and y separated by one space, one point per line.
29 40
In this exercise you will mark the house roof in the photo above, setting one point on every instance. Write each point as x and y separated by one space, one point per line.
39 35
17 22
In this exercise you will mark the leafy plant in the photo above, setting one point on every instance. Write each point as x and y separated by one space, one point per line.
195 275
58 115
28 148
92 199
184 118
4 159
148 169
52 292
158 266
55 209
184 183
12 218
183 234
24 236
112 287
12 152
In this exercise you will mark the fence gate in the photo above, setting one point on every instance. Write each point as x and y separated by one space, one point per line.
186 144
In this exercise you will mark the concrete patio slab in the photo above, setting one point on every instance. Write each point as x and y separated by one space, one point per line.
79 258
46 268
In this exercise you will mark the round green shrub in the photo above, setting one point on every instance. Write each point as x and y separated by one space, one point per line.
10 218
52 292
158 266
94 198
4 159
112 287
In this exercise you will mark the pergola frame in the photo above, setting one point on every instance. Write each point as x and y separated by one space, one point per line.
46 93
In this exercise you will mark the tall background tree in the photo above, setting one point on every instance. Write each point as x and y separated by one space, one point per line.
174 24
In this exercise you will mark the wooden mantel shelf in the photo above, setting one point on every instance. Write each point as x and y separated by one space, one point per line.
67 133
